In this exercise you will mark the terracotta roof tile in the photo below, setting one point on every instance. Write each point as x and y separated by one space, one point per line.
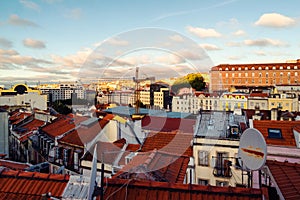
156 166
149 190
31 185
130 148
287 177
62 125
24 131
13 165
83 134
168 124
172 142
18 117
286 128
109 151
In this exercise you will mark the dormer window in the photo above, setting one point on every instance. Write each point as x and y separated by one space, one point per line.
233 69
295 67
259 68
273 67
253 68
267 68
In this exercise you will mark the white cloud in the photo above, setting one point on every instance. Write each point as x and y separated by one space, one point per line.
264 42
117 42
235 57
234 44
75 13
5 43
35 44
260 53
30 5
9 52
202 32
210 47
17 21
10 59
239 33
275 20
176 38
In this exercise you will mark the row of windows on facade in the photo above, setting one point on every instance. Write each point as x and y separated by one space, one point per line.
260 81
260 75
57 154
261 68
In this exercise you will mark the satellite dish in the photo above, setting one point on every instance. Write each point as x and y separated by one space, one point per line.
252 150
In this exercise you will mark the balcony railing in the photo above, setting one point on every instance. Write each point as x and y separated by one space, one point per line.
222 168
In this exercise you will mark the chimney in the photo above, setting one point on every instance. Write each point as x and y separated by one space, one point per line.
274 114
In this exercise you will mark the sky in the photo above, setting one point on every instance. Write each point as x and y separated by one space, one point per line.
61 40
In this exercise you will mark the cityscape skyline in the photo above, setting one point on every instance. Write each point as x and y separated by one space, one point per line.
51 40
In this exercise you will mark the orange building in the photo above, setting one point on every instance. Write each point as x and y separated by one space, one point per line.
254 75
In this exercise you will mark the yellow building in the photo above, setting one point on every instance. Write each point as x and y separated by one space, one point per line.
288 101
19 89
232 101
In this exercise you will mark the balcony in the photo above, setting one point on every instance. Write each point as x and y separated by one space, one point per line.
222 168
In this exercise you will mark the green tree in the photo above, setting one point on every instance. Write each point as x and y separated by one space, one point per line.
195 80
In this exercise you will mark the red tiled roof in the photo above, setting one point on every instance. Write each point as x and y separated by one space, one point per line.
83 134
149 190
156 166
130 148
257 94
18 117
287 177
31 185
171 142
255 65
168 124
62 125
29 127
13 165
286 128
109 151
265 114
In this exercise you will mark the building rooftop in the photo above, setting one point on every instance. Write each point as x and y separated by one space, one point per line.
106 151
62 125
30 185
18 117
13 165
85 133
287 178
283 130
175 142
149 190
164 124
24 131
156 166
129 111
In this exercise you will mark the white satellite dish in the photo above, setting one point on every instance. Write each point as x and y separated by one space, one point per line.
252 150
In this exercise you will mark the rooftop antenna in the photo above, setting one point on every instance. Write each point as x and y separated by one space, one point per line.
93 183
252 152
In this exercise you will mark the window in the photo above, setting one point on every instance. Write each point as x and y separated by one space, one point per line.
274 133
203 158
222 183
202 181
222 165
